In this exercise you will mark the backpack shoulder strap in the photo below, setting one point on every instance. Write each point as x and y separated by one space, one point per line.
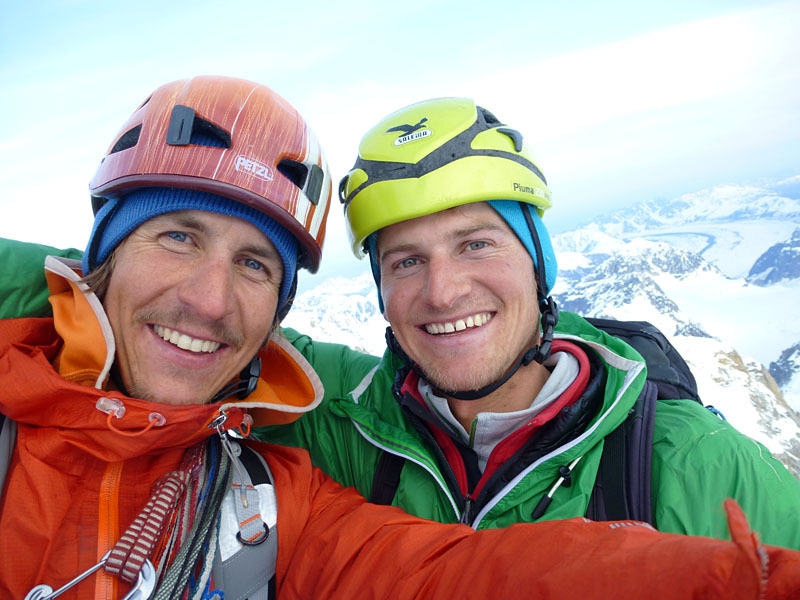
8 437
623 487
386 479
249 573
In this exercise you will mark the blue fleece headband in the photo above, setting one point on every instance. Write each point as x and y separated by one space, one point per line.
119 217
511 211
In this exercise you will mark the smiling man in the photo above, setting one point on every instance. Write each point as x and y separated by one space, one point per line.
489 407
221 266
123 458
456 285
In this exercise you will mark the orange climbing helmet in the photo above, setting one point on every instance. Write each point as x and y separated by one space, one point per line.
228 137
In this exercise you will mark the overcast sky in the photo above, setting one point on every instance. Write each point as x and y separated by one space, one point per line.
621 101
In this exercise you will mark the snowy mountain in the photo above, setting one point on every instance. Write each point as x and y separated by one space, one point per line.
780 262
717 271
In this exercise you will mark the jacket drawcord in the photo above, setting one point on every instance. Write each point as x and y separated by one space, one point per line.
116 409
565 477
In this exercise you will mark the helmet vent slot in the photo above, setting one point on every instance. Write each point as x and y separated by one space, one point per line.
127 140
185 128
205 133
308 181
488 117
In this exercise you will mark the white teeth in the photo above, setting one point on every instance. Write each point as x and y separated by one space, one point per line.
459 325
181 340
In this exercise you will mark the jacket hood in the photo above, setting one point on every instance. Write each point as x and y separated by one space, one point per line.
37 355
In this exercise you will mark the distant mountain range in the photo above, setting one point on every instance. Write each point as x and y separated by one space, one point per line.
718 271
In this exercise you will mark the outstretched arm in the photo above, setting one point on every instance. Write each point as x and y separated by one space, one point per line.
333 543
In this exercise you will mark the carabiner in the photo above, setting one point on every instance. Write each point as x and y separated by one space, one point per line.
143 590
145 583
45 592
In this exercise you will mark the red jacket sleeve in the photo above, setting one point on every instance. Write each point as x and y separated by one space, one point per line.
332 543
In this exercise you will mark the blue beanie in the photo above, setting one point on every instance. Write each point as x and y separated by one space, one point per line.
511 211
120 216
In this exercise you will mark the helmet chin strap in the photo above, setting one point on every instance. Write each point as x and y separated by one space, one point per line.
248 379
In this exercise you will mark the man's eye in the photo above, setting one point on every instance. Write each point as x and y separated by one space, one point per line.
178 236
253 264
477 245
407 262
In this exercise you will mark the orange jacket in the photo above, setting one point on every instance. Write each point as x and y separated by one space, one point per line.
76 481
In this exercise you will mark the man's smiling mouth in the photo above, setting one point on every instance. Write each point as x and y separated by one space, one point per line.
185 342
458 325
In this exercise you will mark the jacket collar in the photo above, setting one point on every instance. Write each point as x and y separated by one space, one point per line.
58 376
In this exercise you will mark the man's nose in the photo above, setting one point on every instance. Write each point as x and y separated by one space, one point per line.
208 289
447 281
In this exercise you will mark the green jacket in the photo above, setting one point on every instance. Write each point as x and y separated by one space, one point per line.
698 459
23 290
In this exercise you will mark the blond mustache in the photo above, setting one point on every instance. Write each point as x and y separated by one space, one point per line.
175 319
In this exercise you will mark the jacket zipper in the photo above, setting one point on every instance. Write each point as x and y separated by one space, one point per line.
108 526
464 502
466 514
